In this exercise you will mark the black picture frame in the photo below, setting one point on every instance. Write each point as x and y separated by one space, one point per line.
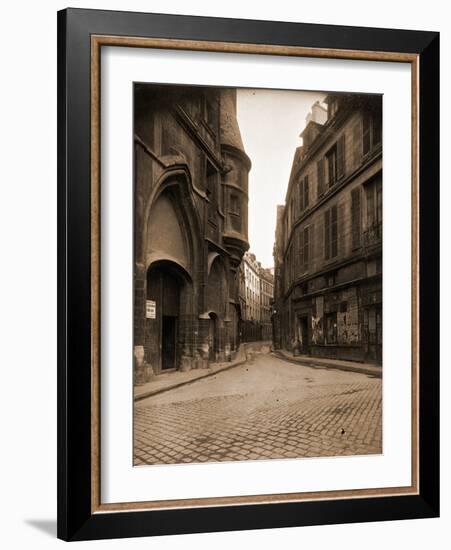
76 521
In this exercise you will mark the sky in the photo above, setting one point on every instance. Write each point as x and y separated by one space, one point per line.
270 123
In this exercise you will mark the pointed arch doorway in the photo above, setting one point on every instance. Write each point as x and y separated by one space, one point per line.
167 285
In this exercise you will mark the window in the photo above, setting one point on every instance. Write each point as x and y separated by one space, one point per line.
234 205
331 165
372 131
356 218
377 129
330 233
306 192
373 195
334 165
341 159
304 248
357 143
321 178
374 203
303 194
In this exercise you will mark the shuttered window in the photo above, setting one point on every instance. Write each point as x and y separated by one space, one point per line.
356 217
377 129
327 234
331 161
306 192
306 245
321 182
299 195
330 233
356 144
334 232
341 156
304 248
372 131
303 190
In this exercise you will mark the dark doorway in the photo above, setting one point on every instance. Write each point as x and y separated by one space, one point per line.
303 335
168 342
212 338
165 283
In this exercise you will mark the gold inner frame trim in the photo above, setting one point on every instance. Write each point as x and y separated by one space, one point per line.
97 41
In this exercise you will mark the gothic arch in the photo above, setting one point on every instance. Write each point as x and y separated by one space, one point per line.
174 187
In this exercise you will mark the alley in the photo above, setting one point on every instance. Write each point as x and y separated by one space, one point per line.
266 408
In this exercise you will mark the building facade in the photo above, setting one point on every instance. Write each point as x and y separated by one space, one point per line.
191 203
256 293
328 243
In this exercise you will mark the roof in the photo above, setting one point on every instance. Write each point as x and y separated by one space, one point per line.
229 130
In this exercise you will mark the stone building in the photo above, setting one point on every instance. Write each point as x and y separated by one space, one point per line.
266 301
250 288
328 245
191 203
256 293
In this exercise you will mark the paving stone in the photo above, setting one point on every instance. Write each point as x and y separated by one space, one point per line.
266 411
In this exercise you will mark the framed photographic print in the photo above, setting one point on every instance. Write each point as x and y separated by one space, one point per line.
248 274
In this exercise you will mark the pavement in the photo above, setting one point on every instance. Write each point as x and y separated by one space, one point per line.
264 408
353 366
172 380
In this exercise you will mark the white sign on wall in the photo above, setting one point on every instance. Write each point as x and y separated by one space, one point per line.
151 309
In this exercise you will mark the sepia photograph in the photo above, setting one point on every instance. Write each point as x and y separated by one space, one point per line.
257 274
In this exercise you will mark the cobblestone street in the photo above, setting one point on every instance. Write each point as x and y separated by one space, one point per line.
265 408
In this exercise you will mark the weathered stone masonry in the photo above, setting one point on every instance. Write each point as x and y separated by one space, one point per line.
328 249
191 201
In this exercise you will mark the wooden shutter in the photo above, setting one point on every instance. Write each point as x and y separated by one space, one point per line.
321 182
301 195
377 128
356 144
327 234
301 250
356 217
379 201
341 156
333 232
306 247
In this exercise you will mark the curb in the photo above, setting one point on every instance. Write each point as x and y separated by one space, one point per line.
311 363
187 382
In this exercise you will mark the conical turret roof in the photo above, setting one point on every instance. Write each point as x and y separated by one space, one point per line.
230 132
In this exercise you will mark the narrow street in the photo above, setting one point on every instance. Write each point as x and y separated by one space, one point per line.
266 408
